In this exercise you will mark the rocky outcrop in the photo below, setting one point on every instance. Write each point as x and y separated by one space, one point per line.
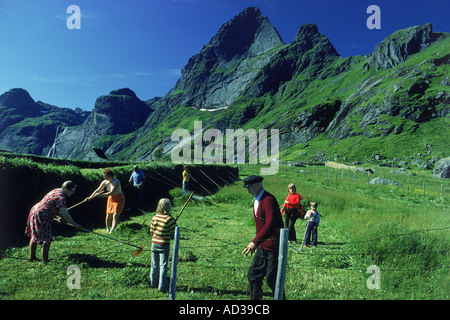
442 168
307 125
119 112
228 64
396 48
28 126
309 52
247 57
381 181
372 104
123 111
16 105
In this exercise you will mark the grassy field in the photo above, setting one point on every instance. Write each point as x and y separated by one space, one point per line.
402 232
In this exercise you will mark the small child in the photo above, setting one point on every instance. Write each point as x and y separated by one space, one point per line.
313 217
162 229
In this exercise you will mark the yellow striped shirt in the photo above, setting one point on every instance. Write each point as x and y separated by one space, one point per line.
162 228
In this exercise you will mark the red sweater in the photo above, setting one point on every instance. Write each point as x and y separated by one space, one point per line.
268 222
294 200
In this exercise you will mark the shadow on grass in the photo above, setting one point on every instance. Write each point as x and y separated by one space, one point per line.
220 292
93 261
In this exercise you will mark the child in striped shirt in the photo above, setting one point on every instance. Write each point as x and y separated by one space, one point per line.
162 229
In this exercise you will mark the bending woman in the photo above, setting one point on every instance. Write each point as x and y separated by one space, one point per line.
39 224
116 198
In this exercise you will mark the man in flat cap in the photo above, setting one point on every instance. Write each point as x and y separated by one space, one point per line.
265 245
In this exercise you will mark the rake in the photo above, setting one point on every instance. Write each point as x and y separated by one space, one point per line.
187 201
111 238
76 205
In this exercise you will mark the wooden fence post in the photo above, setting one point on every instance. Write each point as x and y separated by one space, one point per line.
282 261
173 272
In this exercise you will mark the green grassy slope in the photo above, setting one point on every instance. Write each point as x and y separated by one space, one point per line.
395 133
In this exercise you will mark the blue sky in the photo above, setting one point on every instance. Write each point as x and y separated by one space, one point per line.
144 44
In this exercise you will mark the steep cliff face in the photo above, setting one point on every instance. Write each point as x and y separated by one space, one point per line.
309 52
28 126
124 111
397 47
228 64
118 113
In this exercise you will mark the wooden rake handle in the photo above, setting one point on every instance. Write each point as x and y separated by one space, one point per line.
184 205
111 238
76 205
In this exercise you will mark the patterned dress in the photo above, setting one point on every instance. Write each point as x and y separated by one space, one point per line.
39 223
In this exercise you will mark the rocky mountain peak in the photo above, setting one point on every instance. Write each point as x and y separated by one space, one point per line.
124 92
222 71
116 99
124 110
247 34
308 37
20 99
306 31
397 47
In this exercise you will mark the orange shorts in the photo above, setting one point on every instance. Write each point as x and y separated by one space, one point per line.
115 204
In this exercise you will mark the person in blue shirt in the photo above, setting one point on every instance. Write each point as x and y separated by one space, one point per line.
137 176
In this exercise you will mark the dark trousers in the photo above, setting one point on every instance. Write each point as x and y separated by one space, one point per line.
290 216
138 197
311 229
265 264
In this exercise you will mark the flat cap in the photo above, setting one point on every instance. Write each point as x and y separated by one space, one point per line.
251 180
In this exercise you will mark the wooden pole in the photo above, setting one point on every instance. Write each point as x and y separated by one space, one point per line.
173 272
304 237
184 206
76 205
282 261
